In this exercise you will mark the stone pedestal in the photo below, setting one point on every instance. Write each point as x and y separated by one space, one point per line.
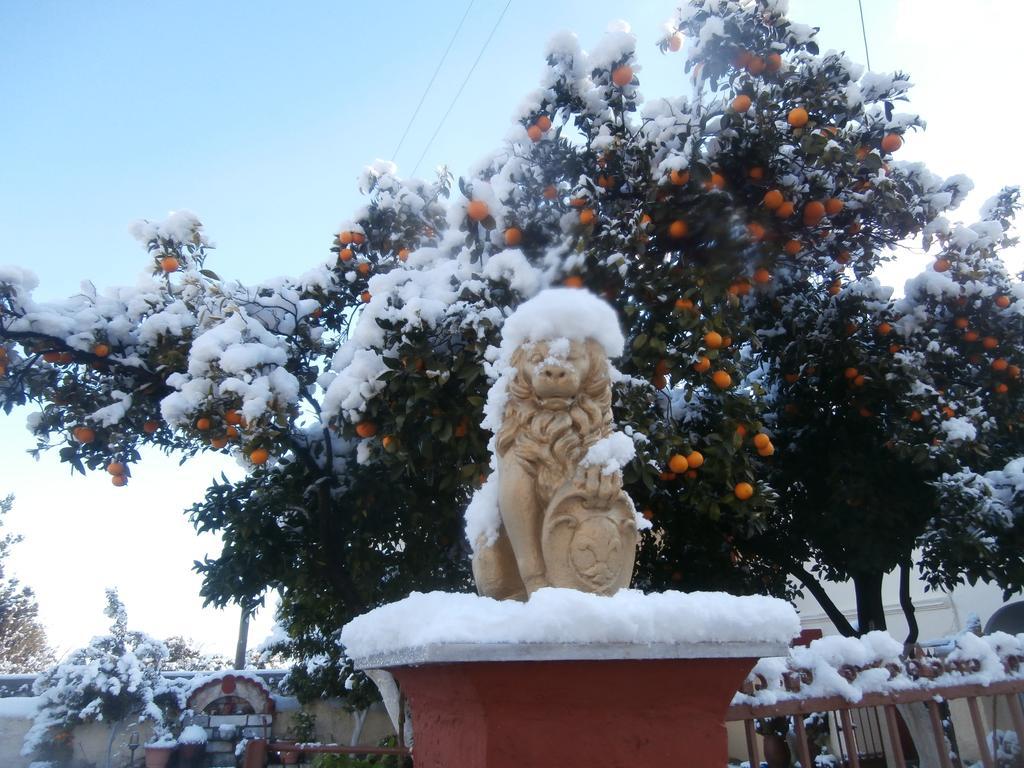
571 706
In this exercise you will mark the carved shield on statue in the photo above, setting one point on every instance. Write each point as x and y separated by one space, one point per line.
588 544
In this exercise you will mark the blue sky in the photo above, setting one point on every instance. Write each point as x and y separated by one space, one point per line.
258 116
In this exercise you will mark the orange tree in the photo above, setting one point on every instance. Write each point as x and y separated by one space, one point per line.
715 224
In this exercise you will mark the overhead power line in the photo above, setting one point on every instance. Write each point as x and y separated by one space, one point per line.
864 32
432 78
461 87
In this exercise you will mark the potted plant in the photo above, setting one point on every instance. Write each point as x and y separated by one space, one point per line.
302 731
160 750
191 744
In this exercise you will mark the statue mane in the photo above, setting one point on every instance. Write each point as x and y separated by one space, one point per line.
551 435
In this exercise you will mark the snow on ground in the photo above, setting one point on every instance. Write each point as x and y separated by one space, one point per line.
569 616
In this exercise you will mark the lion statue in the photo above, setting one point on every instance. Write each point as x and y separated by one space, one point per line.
564 522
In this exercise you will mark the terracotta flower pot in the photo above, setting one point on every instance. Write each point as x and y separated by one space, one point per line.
158 756
290 758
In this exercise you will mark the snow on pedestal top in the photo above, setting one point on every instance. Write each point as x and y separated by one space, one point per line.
566 624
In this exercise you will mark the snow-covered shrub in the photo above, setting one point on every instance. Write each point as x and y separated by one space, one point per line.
113 678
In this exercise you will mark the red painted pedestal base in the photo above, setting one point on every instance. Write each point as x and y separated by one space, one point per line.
572 714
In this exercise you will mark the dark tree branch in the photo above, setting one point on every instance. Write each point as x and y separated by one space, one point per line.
831 609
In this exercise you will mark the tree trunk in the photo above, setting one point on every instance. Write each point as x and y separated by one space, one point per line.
908 605
870 610
831 609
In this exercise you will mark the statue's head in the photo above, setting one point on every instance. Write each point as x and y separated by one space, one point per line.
560 369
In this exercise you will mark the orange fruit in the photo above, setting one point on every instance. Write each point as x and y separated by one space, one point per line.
666 476
741 430
833 206
756 173
116 468
772 199
403 254
150 427
762 275
675 42
365 297
835 287
792 378
550 193
761 440
740 287
388 440
119 481
101 350
743 491
679 178
534 132
659 381
366 429
793 247
364 268
915 416
797 117
477 210
971 336
990 342
358 238
851 373
1013 371
231 433
961 322
703 364
712 340
84 435
587 216
169 264
891 142
769 451
259 456
1000 364
662 367
695 459
345 254
1002 301
884 329
1001 388
773 62
814 212
741 103
941 265
785 210
756 231
843 257
232 417
217 443
544 123
683 305
859 381
756 65
678 463
203 423
678 229
721 379
345 237
622 75
513 236
717 181
948 412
